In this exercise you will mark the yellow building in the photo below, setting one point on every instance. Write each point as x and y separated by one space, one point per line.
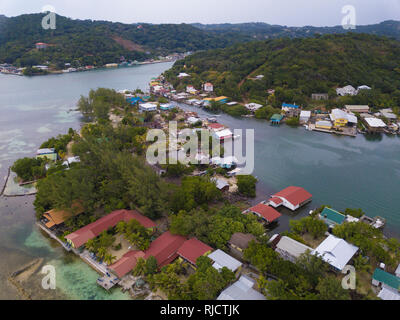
339 118
327 125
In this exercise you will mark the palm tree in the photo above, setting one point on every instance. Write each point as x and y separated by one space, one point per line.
121 227
109 258
91 245
101 253
140 268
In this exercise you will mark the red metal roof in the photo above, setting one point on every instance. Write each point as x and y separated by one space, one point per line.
276 200
192 249
81 236
126 263
294 195
215 126
267 212
165 248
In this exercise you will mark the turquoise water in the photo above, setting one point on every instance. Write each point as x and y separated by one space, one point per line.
31 111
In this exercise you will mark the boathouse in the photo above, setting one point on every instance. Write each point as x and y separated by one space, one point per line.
276 118
265 212
292 198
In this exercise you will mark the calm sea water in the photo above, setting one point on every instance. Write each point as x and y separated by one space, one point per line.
339 171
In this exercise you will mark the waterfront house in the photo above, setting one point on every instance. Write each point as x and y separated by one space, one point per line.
55 218
292 198
305 116
357 108
319 96
265 212
290 249
291 110
208 87
78 238
221 99
276 118
374 124
323 124
48 153
253 106
240 242
339 118
166 106
147 107
332 217
226 162
215 126
223 135
193 249
335 251
220 259
389 284
241 290
347 90
388 114
125 265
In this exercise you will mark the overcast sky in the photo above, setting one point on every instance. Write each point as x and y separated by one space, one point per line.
283 12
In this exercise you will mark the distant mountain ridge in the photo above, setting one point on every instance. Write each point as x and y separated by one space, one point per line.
260 30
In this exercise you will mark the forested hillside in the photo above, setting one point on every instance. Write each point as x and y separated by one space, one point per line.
296 68
263 31
99 42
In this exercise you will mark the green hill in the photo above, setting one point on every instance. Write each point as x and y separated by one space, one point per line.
296 68
99 42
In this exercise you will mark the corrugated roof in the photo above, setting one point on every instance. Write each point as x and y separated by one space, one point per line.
387 278
293 247
165 248
221 259
241 240
389 294
267 212
192 249
126 263
81 236
241 290
335 251
294 195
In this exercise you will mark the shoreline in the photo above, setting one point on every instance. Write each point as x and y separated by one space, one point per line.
60 72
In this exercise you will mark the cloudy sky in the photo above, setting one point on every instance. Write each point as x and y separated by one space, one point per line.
283 12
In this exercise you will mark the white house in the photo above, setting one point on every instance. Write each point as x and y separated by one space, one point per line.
305 116
223 134
347 90
363 87
208 87
253 106
193 120
191 89
335 251
147 107
292 198
221 259
183 75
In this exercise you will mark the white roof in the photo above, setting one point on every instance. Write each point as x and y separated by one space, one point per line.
183 74
375 123
338 114
231 103
221 259
352 118
335 251
225 160
241 290
305 113
356 107
148 106
223 133
73 160
253 106
193 119
324 123
388 115
364 87
389 294
292 246
46 151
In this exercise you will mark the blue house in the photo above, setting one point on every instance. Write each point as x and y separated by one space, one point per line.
134 100
288 105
